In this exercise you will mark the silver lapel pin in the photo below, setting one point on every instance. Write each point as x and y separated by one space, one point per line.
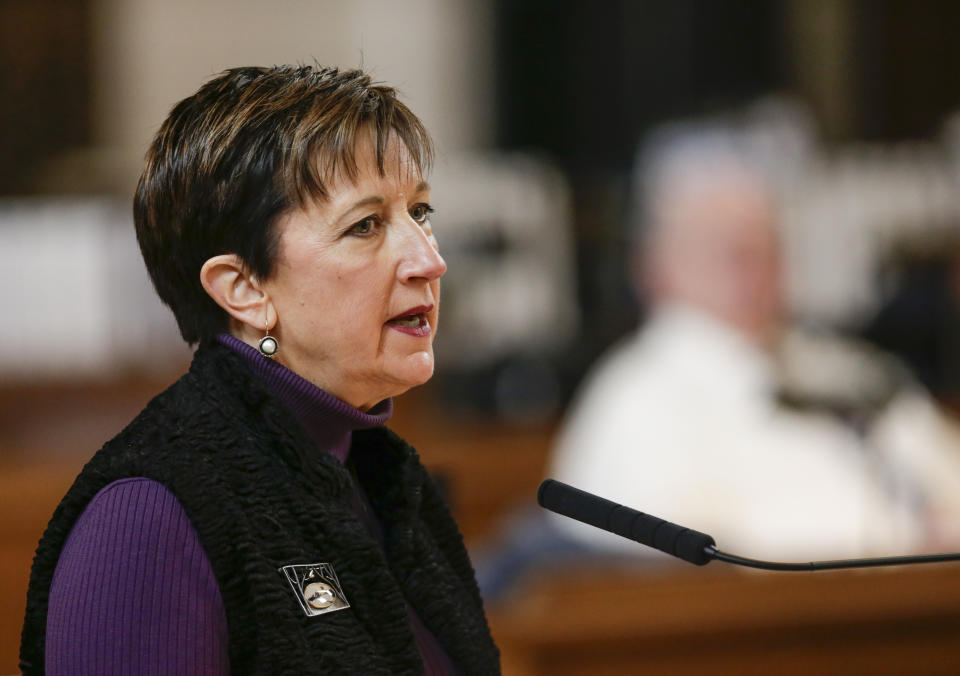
316 588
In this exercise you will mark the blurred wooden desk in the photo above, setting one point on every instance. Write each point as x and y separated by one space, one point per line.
722 621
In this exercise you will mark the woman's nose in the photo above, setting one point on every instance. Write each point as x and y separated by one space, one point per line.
420 258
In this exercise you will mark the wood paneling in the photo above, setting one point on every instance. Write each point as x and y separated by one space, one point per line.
721 620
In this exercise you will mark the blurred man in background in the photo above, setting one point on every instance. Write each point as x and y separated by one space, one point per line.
685 419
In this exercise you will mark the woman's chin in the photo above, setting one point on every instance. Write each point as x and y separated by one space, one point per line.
414 370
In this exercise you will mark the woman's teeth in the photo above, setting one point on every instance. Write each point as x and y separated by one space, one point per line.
411 321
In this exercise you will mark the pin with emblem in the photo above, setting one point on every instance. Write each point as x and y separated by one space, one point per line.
316 588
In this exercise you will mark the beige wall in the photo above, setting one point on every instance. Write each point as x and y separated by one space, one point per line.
151 54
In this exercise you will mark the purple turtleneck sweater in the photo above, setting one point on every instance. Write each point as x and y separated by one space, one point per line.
133 591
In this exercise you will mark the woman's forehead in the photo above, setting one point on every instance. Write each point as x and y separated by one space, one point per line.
397 169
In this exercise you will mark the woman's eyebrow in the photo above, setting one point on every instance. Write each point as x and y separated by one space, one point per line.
422 186
348 211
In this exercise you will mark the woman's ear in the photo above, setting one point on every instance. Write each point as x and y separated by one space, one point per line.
226 279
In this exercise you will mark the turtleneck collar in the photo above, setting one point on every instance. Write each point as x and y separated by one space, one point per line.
329 420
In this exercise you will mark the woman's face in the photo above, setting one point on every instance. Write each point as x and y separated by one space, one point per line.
356 285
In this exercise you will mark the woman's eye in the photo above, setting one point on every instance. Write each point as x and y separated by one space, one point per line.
364 227
421 212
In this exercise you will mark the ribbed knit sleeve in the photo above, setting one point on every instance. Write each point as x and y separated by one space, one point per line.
133 591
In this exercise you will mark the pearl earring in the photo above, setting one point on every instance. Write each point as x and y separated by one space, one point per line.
268 345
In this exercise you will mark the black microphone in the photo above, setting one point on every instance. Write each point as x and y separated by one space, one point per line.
675 540
690 545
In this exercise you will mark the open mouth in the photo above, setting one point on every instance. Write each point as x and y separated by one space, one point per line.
413 322
409 321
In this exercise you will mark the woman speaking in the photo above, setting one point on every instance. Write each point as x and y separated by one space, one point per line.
257 516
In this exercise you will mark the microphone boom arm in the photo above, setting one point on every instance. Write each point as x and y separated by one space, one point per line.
684 543
715 553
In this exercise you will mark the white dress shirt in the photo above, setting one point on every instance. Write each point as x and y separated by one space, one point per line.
681 421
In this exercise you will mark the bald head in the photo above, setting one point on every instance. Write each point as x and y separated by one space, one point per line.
712 243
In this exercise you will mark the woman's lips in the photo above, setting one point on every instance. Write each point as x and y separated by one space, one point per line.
413 322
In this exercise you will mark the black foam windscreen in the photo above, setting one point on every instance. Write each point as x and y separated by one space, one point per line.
593 510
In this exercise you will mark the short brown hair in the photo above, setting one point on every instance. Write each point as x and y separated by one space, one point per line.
250 145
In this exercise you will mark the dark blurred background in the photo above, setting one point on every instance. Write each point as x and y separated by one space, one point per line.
583 82
576 83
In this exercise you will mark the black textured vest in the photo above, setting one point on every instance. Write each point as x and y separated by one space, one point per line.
260 497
